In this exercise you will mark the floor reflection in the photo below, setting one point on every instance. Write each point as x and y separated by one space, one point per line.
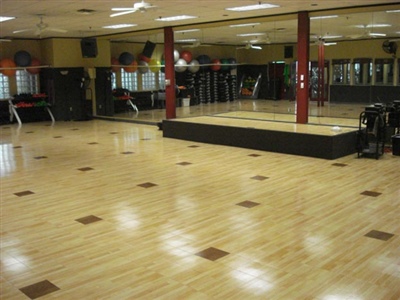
283 110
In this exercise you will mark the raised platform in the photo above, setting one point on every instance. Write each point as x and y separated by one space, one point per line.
313 140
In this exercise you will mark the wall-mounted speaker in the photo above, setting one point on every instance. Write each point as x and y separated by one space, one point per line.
89 47
288 52
148 49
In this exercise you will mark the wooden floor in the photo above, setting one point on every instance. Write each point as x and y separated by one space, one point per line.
112 210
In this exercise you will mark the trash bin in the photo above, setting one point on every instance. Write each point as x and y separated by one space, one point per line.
396 144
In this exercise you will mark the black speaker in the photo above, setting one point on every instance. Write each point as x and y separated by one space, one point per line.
89 47
148 49
288 52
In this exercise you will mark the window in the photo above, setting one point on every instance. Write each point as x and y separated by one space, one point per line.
362 71
27 83
384 71
149 81
129 80
4 87
161 80
341 71
113 81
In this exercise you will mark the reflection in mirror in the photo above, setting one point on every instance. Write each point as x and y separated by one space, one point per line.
351 81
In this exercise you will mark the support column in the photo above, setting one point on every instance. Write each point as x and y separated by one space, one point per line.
169 73
303 72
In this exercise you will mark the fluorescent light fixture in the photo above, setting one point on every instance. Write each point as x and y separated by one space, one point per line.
393 11
244 25
373 26
324 17
175 18
186 40
332 37
330 44
187 30
3 19
250 34
377 34
118 26
252 7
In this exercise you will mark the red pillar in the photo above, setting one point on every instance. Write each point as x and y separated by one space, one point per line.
303 57
169 73
321 73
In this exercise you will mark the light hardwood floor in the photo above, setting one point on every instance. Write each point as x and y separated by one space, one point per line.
305 228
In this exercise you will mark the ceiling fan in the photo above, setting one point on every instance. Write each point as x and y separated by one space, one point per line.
366 34
138 6
41 27
250 46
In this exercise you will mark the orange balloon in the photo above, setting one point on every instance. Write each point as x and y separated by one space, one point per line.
132 67
34 63
115 61
8 63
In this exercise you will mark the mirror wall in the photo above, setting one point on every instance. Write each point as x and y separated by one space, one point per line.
358 71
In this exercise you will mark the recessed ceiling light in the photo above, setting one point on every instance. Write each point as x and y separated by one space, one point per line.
3 19
244 25
323 17
118 26
252 7
175 18
393 11
250 34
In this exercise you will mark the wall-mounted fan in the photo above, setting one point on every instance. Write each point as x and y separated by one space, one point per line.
139 6
390 47
41 27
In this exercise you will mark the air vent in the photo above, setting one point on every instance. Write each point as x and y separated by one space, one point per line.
84 11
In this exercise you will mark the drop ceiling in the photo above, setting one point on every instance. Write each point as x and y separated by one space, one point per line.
355 20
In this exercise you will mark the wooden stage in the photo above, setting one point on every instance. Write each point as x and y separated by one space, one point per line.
250 130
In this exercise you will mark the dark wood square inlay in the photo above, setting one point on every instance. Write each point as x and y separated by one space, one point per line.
371 193
17 147
193 146
380 235
75 129
93 143
127 152
85 169
29 132
184 163
39 289
146 139
259 177
113 132
57 136
248 204
88 219
212 254
23 193
254 155
339 165
147 185
40 157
